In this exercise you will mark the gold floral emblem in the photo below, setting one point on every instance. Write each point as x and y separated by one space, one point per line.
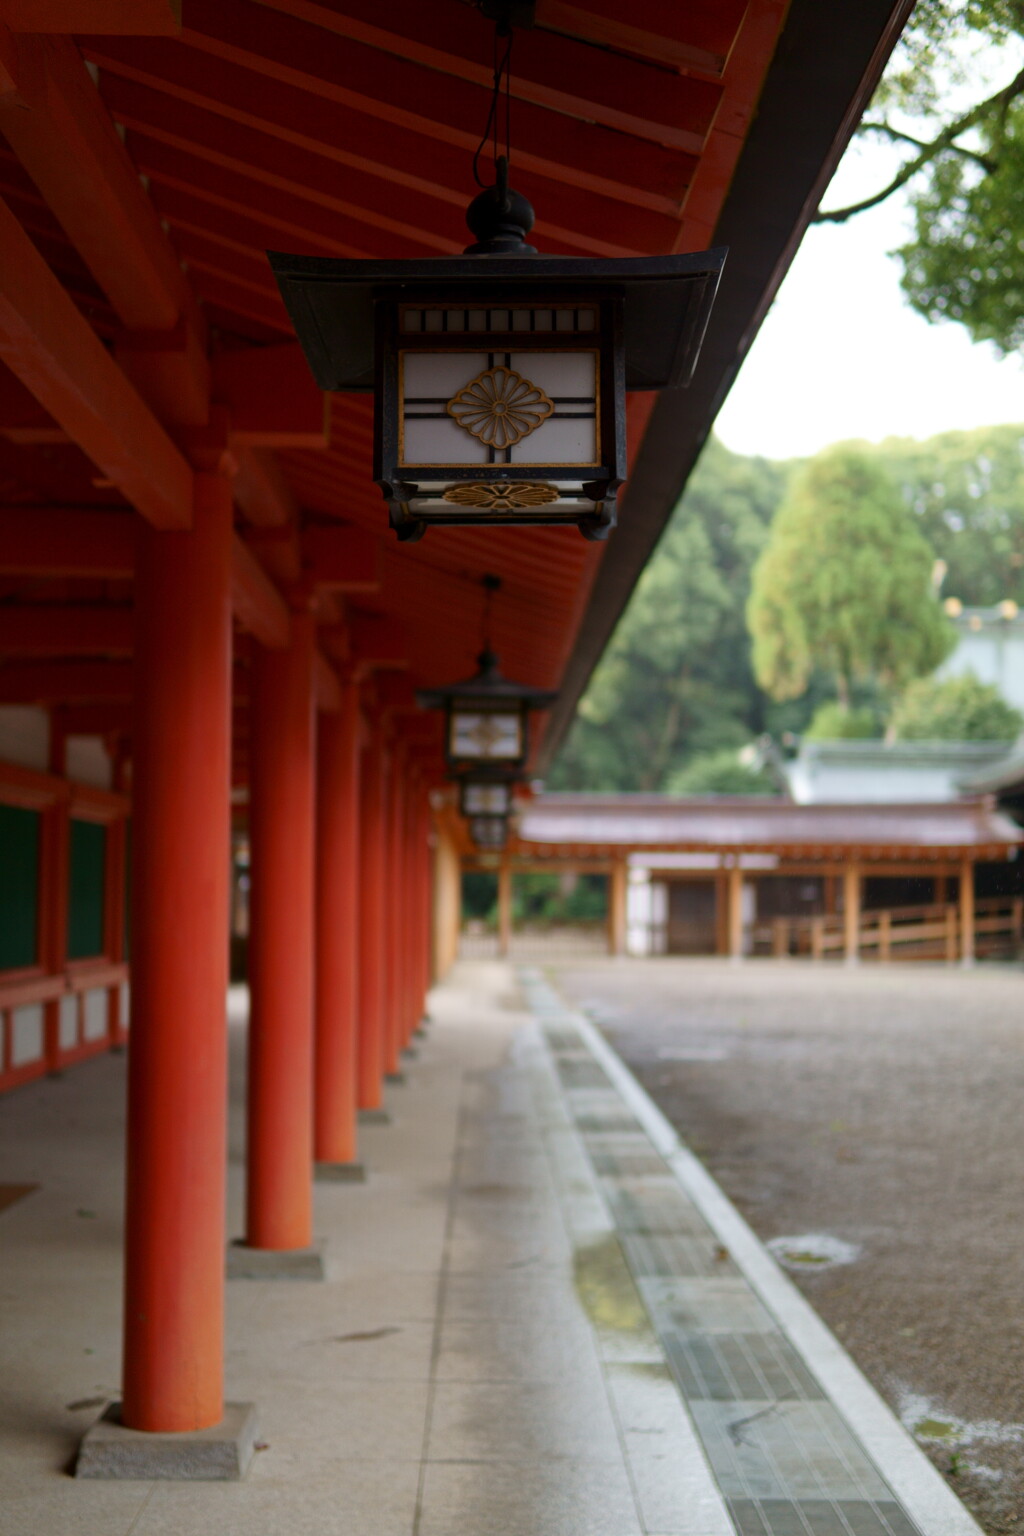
500 407
503 498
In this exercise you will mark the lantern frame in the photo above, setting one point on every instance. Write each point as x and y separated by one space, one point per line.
487 695
652 314
490 833
485 786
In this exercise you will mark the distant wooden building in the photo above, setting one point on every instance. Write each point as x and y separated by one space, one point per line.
741 876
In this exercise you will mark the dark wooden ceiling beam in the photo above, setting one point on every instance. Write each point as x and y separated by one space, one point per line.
641 175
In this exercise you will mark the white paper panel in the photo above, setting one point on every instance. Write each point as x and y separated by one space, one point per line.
69 1021
559 441
126 1004
559 373
26 1034
439 375
441 442
95 1014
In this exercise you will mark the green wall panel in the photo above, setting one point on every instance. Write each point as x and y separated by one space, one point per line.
20 833
85 889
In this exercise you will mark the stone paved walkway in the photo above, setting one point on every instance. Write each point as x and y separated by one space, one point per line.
540 1319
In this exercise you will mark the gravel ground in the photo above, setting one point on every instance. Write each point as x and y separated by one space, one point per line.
883 1108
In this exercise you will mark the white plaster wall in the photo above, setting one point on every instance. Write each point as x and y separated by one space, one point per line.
88 762
26 1034
25 737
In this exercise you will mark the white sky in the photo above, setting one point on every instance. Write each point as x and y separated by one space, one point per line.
842 355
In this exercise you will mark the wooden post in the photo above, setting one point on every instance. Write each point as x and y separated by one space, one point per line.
884 935
951 933
1017 920
966 912
780 937
177 1065
504 909
941 894
721 913
372 874
817 938
279 1203
337 930
851 914
735 904
618 878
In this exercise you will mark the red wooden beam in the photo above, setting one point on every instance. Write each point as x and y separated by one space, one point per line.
95 719
347 560
326 687
377 643
697 35
567 215
58 357
262 490
656 176
63 135
52 544
271 396
54 682
69 630
255 601
396 91
566 74
128 18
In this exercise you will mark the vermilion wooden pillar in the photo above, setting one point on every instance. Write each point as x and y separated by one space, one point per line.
396 957
337 930
281 807
177 1069
372 871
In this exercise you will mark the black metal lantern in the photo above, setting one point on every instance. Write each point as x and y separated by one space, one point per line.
487 715
500 379
489 832
485 794
487 723
500 375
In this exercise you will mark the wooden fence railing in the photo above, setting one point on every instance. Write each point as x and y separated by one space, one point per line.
925 932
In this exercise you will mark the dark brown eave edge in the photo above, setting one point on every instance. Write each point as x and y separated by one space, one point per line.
826 66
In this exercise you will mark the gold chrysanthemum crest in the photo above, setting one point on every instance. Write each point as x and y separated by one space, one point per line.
503 498
500 407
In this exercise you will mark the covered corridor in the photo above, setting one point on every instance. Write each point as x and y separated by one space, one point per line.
539 1314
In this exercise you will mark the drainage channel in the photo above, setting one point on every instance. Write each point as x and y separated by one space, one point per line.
784 1456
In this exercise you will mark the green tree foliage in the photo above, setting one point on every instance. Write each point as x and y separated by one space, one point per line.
676 681
966 490
963 170
844 583
720 773
954 709
831 722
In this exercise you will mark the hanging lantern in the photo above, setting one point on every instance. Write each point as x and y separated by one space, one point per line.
481 795
489 832
487 715
499 376
487 721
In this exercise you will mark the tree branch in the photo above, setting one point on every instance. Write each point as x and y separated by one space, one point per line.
986 162
999 102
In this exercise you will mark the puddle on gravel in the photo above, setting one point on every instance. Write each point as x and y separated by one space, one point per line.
812 1251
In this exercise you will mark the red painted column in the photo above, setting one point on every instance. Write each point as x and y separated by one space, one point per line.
177 1067
281 808
337 930
372 852
395 954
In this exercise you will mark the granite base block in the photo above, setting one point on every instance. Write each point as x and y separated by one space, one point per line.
245 1263
220 1454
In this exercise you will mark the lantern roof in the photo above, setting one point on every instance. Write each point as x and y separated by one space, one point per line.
667 303
487 685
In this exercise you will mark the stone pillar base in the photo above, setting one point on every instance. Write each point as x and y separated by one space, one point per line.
374 1117
219 1454
339 1173
245 1263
